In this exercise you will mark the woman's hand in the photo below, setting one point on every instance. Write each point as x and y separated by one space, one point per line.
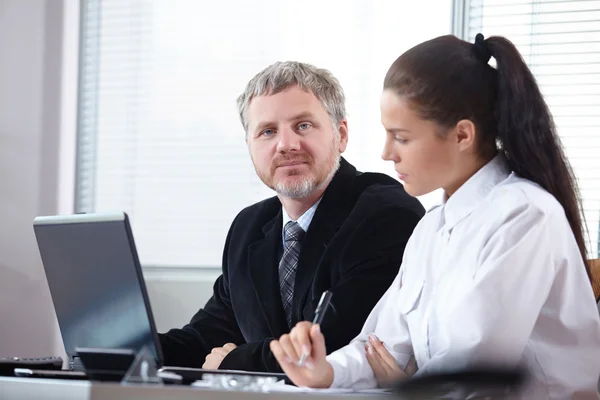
387 371
305 338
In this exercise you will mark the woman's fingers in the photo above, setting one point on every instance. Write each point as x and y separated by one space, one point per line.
279 352
300 338
318 350
386 357
376 363
288 348
411 366
283 358
319 375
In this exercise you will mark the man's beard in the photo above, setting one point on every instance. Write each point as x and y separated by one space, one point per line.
304 187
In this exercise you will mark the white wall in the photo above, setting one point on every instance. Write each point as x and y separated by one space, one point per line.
36 162
176 294
27 318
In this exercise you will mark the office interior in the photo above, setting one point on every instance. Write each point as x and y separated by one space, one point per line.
130 105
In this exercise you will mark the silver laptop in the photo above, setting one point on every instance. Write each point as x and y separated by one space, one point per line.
96 283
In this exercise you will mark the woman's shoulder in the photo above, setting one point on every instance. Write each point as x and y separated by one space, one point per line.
519 194
518 208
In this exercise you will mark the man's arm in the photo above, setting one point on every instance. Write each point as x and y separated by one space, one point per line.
212 326
369 263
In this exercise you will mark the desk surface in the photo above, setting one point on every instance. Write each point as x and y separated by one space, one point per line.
54 389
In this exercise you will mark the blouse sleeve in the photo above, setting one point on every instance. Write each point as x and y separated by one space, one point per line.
350 365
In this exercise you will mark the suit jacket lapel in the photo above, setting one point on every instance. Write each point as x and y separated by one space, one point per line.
263 266
330 215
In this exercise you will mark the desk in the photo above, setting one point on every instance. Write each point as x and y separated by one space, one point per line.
54 389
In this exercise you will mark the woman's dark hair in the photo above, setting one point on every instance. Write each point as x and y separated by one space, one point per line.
446 80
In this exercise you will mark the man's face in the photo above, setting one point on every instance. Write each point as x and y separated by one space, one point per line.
293 143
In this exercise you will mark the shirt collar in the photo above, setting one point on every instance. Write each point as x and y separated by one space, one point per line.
473 191
304 220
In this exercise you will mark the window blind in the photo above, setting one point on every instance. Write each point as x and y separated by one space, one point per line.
560 41
158 131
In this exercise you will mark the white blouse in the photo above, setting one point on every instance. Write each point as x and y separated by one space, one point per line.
492 275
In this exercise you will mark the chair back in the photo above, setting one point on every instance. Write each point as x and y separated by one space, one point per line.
595 271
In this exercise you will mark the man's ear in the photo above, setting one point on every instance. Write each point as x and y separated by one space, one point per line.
343 132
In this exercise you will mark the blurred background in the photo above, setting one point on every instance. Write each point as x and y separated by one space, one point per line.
130 105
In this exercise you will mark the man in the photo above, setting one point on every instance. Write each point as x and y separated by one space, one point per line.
329 228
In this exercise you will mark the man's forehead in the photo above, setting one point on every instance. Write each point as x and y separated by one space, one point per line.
271 108
288 97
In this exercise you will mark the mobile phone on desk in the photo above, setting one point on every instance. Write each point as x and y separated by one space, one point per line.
49 374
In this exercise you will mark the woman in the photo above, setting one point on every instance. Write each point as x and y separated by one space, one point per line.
494 275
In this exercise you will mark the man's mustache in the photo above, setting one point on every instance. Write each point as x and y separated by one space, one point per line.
280 161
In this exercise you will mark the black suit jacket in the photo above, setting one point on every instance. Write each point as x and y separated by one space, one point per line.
353 247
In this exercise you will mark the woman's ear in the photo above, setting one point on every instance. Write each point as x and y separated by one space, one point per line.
465 134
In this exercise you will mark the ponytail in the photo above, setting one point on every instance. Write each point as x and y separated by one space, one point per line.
527 135
447 80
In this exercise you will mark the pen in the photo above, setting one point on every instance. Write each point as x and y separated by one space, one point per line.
319 314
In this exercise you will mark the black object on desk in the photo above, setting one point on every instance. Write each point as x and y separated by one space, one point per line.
50 374
487 382
8 364
106 364
100 364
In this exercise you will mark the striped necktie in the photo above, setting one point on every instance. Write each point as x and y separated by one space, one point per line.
288 265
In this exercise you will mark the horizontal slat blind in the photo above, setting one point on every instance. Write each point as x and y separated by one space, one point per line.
159 135
560 41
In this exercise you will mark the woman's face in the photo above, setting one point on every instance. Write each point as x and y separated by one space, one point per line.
424 155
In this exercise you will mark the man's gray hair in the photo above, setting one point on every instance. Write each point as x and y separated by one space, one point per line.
280 76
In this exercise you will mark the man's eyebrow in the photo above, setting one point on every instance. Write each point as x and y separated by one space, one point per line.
302 115
398 130
264 124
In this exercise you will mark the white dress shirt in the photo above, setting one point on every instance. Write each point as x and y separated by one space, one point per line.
493 275
304 220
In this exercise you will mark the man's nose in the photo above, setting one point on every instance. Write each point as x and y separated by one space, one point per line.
289 140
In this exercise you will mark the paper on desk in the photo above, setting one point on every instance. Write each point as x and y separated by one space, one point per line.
296 389
202 384
375 391
282 387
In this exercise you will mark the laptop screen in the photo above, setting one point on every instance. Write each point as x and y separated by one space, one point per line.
96 282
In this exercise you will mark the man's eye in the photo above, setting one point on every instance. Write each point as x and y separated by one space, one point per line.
304 126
